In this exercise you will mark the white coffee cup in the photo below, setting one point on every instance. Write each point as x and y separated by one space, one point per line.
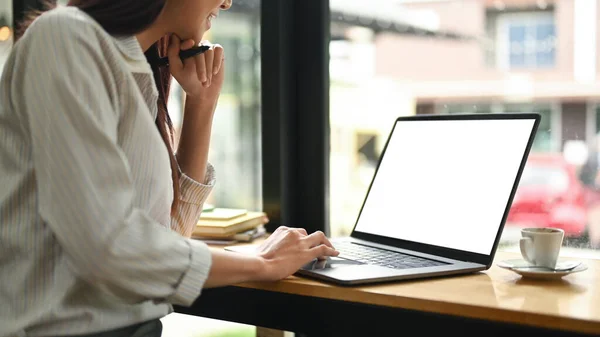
541 246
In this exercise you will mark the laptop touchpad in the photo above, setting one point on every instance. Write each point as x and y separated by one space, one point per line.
329 263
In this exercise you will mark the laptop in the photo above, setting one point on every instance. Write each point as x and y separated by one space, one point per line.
437 202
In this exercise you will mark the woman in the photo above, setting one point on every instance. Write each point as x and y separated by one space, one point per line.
96 207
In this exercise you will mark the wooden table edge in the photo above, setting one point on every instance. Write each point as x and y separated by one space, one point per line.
499 315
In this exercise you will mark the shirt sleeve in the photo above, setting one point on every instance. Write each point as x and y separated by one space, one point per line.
193 194
85 189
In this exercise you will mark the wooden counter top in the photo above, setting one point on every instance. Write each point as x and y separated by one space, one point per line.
572 303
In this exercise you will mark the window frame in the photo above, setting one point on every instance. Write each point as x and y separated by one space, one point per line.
503 23
295 113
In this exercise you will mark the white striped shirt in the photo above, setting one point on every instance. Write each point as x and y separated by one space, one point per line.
87 242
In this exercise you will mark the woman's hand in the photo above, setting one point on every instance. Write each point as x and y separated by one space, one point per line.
288 249
201 77
281 255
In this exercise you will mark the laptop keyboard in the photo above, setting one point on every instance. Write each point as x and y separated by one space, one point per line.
382 257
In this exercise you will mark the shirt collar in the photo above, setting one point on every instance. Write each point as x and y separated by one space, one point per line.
132 52
134 57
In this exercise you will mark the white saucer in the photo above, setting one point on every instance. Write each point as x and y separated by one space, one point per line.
520 267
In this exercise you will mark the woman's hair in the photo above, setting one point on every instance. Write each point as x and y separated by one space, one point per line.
128 17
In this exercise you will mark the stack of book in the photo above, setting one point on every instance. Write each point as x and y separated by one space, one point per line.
227 226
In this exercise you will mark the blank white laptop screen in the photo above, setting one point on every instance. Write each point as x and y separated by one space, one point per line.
446 182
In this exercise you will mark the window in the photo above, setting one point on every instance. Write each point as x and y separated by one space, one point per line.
385 65
545 175
367 149
465 108
526 40
546 139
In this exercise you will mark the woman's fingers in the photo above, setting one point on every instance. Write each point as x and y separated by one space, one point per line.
218 59
321 252
318 238
175 64
302 231
319 246
205 65
209 59
187 44
201 68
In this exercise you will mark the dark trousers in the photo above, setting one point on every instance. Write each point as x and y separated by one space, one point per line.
151 328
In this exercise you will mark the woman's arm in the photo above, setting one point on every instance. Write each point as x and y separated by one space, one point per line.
281 255
194 143
201 78
197 175
202 89
231 268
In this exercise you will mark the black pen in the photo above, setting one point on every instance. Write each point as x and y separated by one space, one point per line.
184 54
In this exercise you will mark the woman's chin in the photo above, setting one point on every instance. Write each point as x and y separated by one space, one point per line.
199 37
